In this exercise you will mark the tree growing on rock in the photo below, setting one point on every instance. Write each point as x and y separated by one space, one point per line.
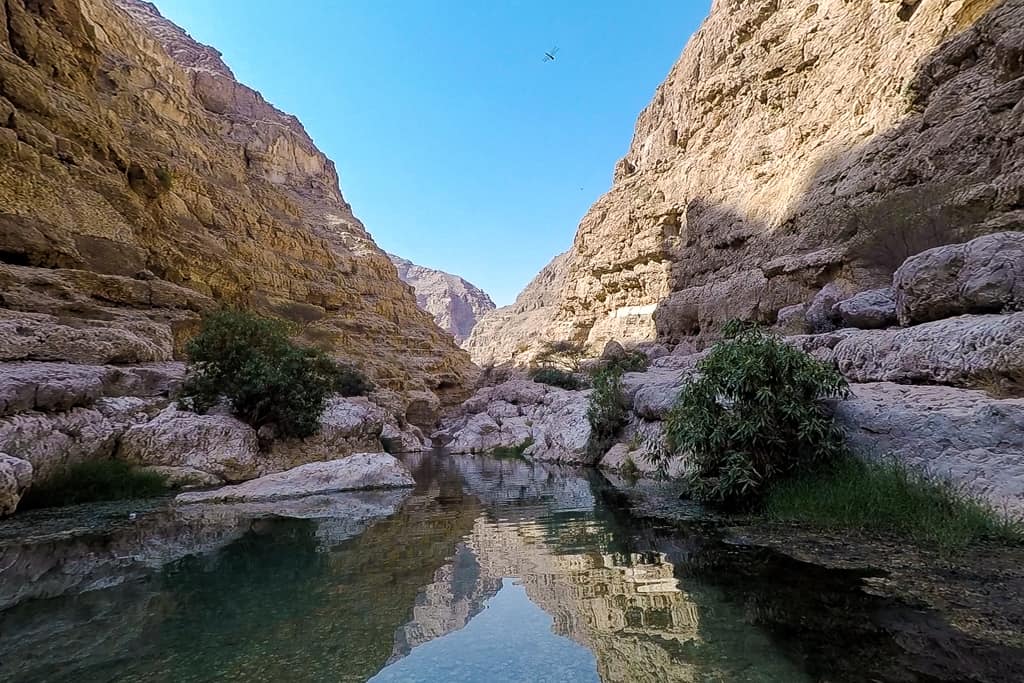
754 415
563 354
267 379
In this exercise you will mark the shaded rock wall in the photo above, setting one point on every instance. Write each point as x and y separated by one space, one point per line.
140 182
793 145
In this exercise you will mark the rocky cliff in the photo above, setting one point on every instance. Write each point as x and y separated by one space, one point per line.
456 304
793 145
141 184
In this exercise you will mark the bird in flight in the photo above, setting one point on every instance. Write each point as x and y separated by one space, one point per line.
549 56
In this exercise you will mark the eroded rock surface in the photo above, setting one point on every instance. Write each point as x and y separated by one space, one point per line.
766 168
355 472
455 304
15 478
179 190
552 421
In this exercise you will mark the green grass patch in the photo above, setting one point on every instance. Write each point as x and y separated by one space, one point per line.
88 482
887 496
510 452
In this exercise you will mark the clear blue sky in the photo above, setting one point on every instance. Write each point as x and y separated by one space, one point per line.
456 145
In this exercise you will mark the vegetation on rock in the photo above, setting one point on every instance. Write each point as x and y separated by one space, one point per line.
607 411
265 377
754 416
92 481
563 354
887 496
631 361
517 452
556 378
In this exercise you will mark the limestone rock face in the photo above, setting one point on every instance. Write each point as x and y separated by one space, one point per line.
358 471
868 310
347 425
15 477
962 435
179 189
766 167
985 275
455 304
219 445
552 420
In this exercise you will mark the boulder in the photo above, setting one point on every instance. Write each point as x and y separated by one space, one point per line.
408 439
15 477
613 351
963 435
985 275
792 320
52 441
820 315
347 425
652 394
966 351
355 472
873 309
554 422
218 445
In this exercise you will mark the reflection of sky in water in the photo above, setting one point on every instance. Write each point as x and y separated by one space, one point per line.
511 640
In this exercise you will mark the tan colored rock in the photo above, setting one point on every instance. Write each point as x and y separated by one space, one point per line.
15 478
767 167
355 472
180 189
455 304
985 275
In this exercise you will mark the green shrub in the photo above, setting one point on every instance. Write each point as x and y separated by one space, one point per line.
888 497
633 361
606 411
753 416
98 480
556 378
267 379
563 354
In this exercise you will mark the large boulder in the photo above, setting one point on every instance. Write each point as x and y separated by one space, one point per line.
347 425
985 275
875 308
966 436
218 445
355 472
967 351
15 477
653 393
552 421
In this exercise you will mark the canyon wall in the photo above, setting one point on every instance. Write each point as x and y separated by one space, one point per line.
141 184
792 145
455 304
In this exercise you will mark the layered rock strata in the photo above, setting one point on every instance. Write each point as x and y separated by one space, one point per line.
793 145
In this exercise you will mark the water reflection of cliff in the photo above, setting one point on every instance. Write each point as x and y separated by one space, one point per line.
625 604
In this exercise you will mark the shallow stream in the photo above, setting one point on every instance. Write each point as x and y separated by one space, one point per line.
489 570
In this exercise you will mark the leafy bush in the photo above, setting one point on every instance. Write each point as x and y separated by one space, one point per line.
606 411
563 354
87 482
753 416
633 361
556 378
886 496
267 379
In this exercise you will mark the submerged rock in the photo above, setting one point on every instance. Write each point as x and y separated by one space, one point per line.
356 472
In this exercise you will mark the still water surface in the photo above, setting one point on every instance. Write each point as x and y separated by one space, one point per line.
487 571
